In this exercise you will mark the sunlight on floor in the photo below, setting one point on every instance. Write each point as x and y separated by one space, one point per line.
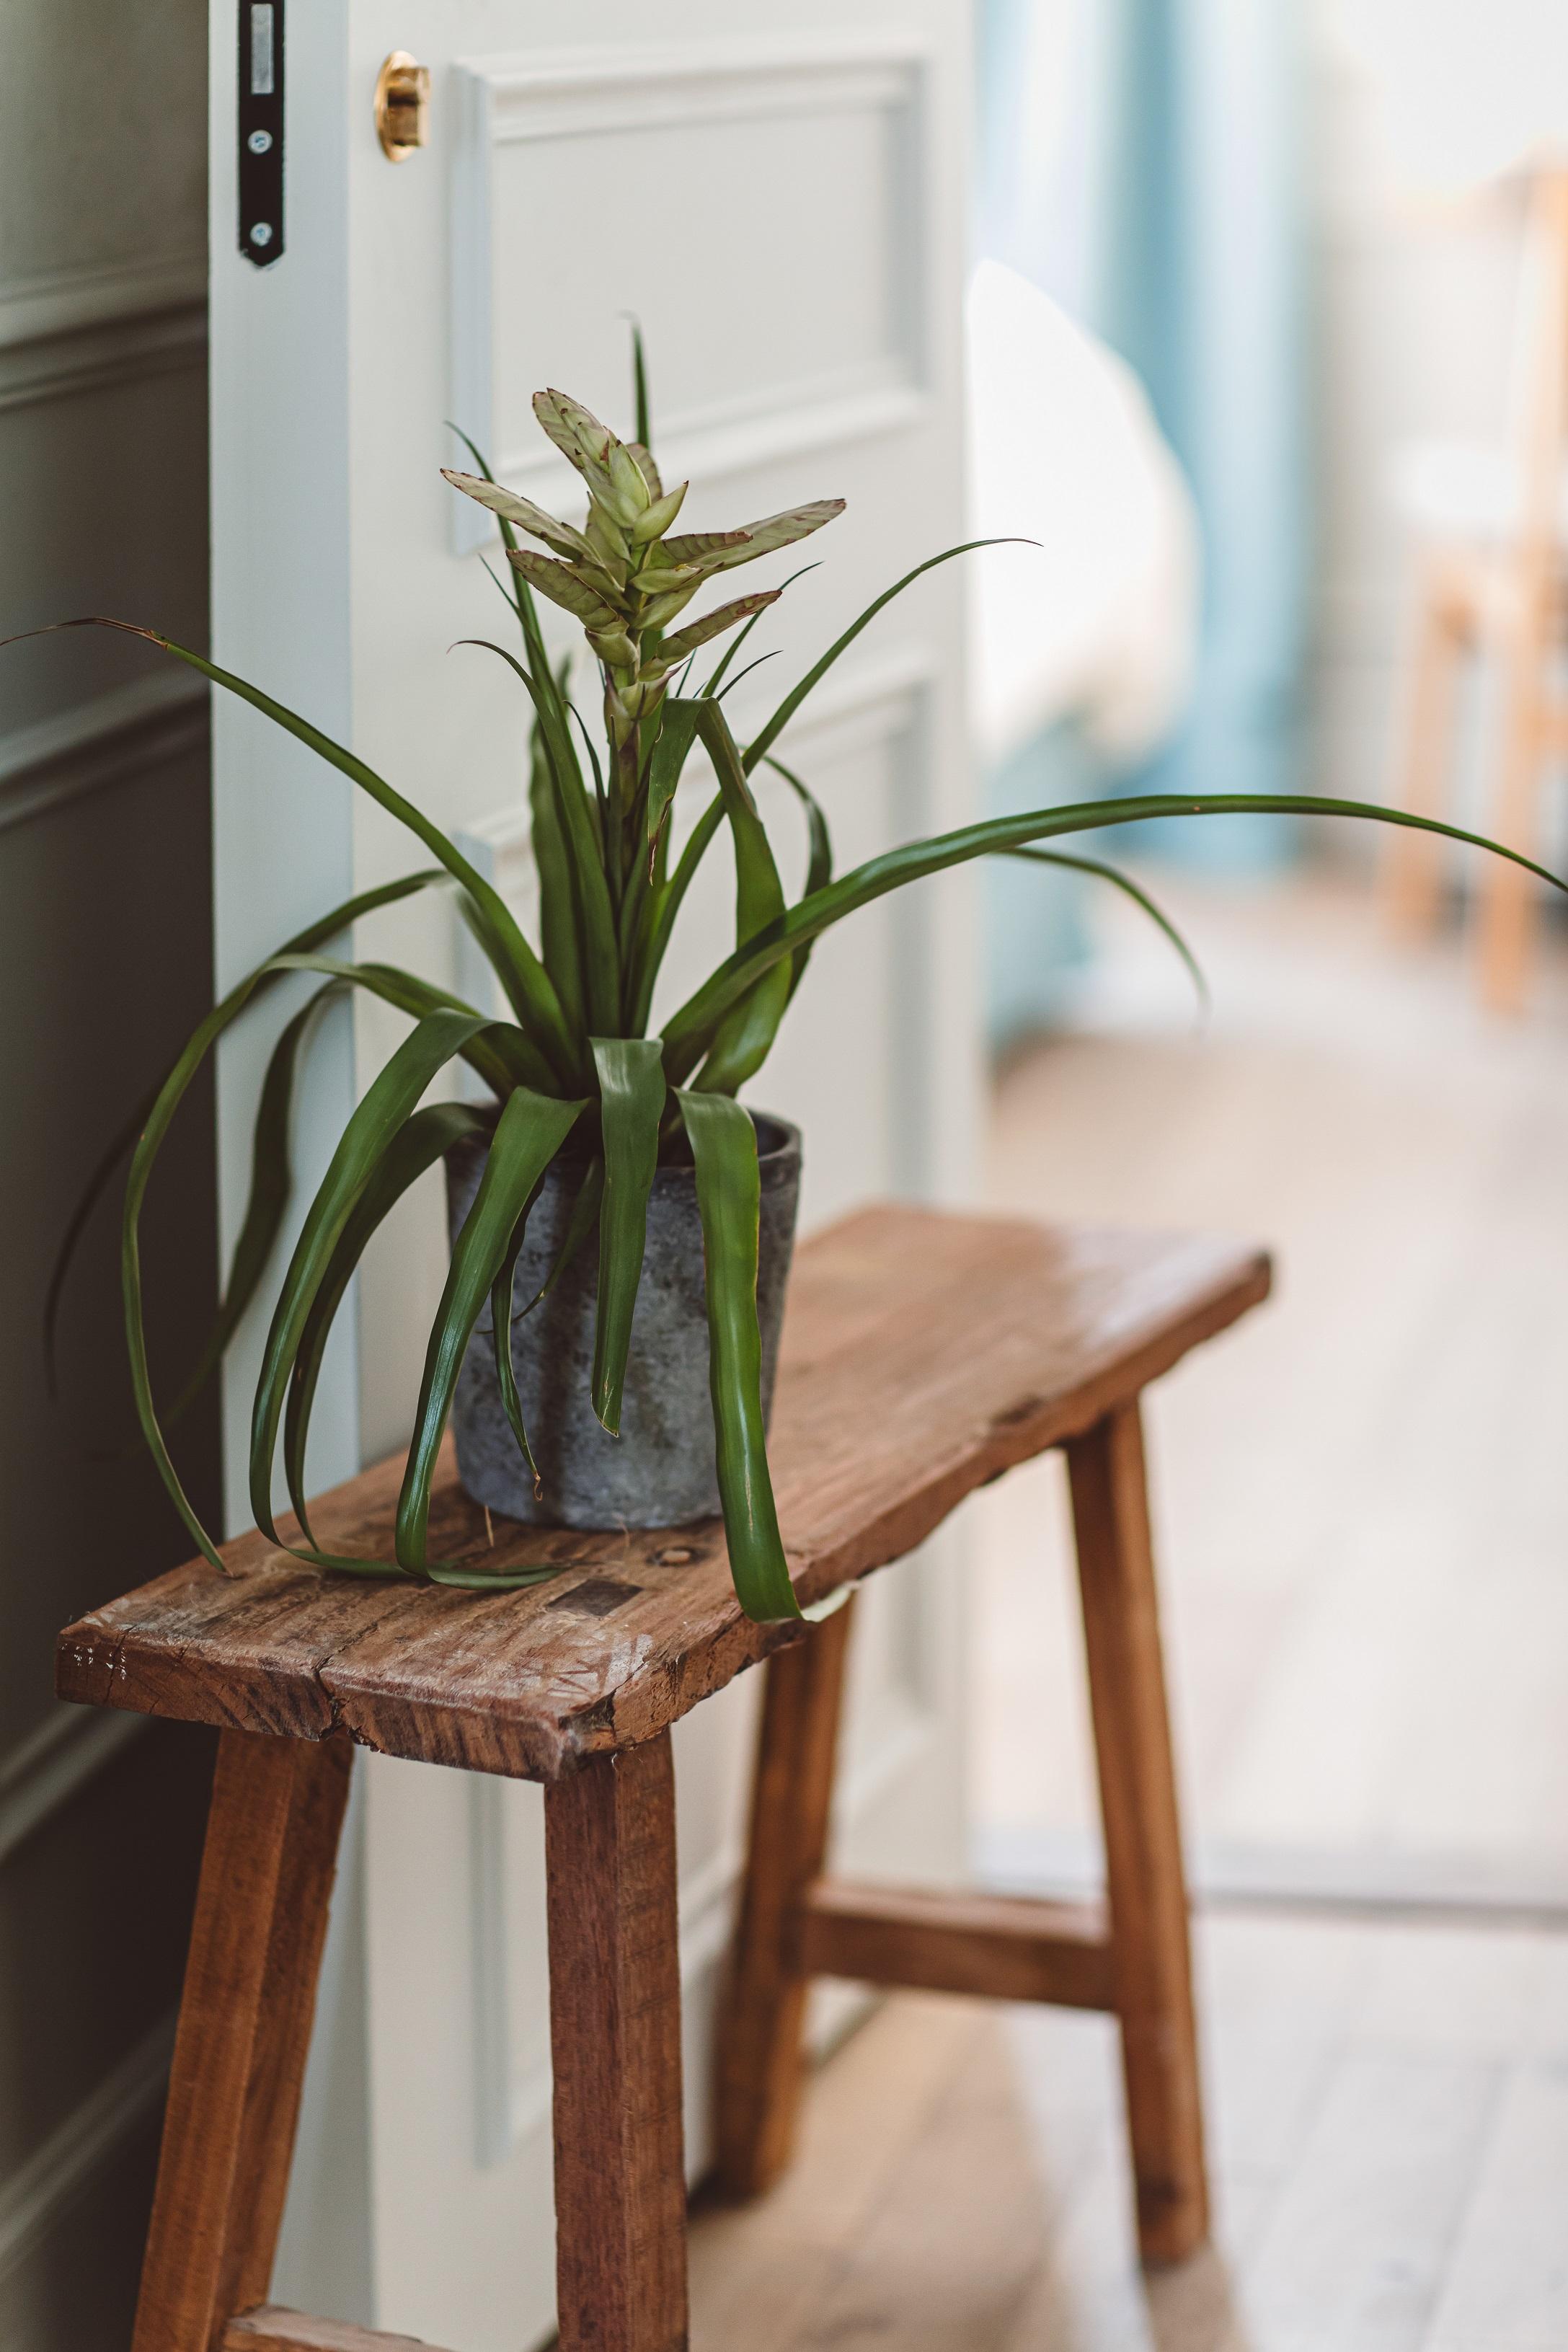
1388 2129
1362 1503
1362 1494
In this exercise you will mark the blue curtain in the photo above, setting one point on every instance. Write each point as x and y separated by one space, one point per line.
1202 288
1143 166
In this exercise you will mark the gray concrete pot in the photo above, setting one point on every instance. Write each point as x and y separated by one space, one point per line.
660 1471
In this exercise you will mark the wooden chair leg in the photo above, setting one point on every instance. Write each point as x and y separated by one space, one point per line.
1413 867
1145 1886
1505 894
615 2033
761 2051
244 2032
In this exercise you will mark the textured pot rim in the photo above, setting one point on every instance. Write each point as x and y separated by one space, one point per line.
773 1160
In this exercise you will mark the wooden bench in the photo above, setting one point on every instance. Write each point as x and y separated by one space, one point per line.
924 1355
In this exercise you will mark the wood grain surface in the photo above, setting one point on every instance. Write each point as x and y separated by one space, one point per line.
1145 1883
923 1354
1001 1947
761 2054
615 2049
245 2026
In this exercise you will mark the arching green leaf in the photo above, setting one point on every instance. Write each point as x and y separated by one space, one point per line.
418 1145
521 974
1139 897
387 1103
528 1133
249 990
688 1032
724 1146
631 1104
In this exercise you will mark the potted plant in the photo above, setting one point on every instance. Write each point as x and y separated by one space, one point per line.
620 1225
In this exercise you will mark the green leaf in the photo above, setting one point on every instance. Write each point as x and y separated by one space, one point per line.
758 892
650 526
419 1143
159 1118
677 733
528 1133
819 855
688 1032
724 1147
501 1337
170 1095
631 1104
1131 889
501 1053
759 747
584 1216
704 547
639 390
254 985
601 955
271 1187
580 438
721 551
735 644
564 587
744 1038
712 624
558 936
391 1097
519 970
532 518
659 915
644 528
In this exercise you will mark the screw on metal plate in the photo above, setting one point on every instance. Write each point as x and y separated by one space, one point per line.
261 130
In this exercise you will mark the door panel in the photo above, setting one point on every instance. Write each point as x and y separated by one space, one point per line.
776 195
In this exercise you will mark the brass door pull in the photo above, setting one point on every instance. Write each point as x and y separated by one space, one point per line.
403 106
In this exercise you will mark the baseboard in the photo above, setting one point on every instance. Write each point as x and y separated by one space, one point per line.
1524 1888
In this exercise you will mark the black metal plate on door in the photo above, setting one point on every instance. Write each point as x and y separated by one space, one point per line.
261 130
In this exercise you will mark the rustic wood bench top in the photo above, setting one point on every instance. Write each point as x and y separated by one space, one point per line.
923 1355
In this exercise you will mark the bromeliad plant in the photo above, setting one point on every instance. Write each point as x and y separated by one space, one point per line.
574 1055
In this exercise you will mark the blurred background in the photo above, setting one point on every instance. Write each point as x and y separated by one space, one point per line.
1267 318
1267 344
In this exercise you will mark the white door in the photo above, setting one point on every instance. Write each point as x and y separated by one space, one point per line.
776 190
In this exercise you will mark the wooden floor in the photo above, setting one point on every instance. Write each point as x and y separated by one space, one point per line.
1389 2111
1361 1494
1363 1499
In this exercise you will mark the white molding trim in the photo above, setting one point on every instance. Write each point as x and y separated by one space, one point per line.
102 353
504 101
48 1767
61 301
564 93
108 740
507 2108
40 2189
497 2126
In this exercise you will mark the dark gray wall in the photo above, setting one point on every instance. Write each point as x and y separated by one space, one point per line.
105 960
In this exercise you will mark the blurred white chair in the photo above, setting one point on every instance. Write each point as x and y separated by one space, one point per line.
1491 530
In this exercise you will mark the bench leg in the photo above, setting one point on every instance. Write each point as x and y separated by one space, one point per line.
615 2034
761 2052
1146 1885
245 2029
